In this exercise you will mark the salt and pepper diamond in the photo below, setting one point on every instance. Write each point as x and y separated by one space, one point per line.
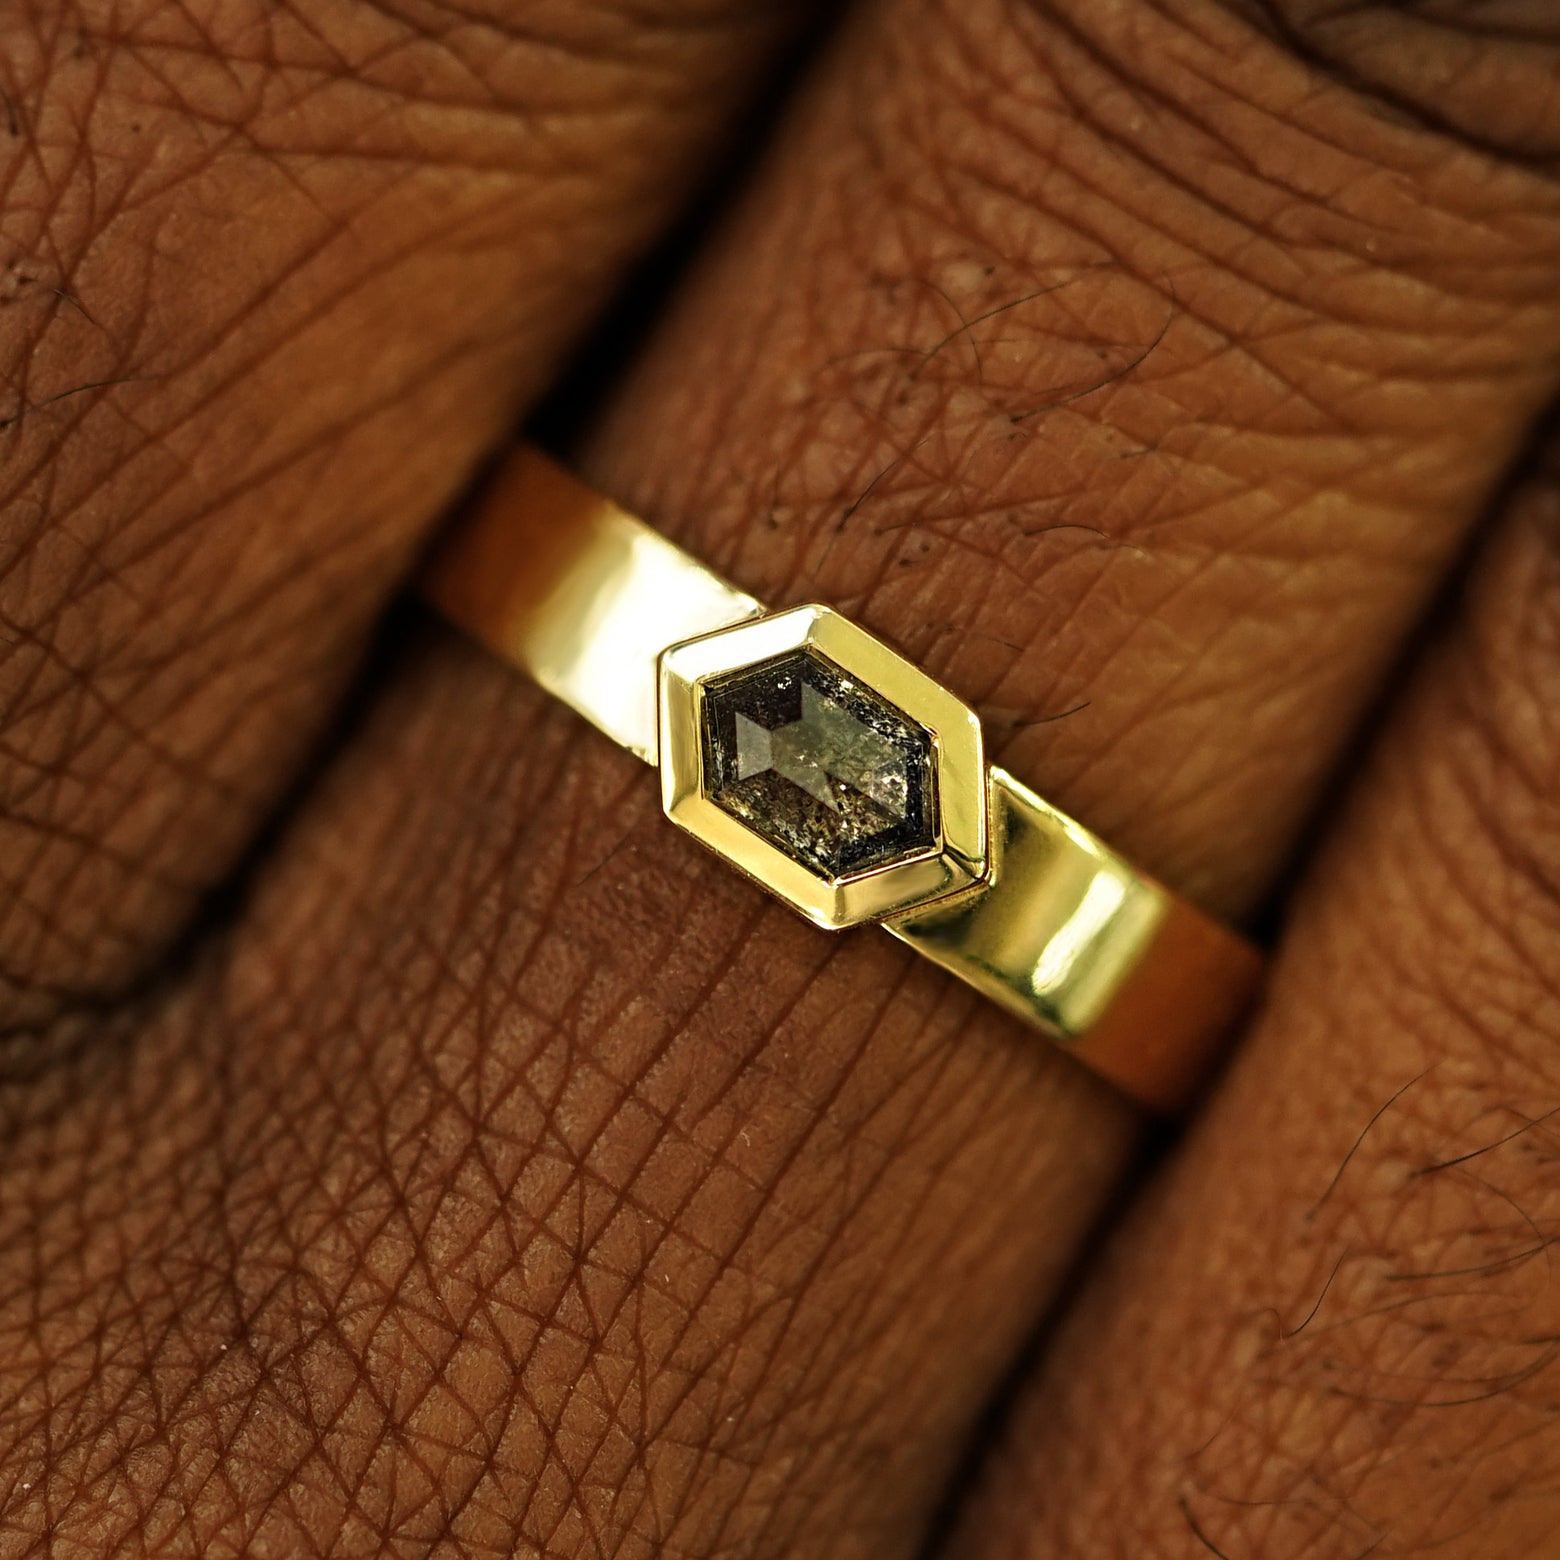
823 768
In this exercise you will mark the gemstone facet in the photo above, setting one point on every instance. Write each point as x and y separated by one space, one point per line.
823 768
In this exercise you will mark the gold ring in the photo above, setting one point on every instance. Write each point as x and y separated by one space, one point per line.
843 779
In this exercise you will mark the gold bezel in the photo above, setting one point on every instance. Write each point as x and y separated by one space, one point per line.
957 857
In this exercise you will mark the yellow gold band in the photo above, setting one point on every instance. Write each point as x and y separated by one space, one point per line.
996 886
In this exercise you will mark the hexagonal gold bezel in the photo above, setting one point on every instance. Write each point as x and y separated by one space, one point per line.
956 858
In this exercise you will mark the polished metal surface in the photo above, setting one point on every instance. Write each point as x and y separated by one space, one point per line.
1113 967
1057 925
578 594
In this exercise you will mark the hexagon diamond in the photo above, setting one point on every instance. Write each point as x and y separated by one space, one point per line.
820 766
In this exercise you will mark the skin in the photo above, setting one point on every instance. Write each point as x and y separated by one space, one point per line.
488 1171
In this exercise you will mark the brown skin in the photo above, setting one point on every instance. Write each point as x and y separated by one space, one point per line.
503 1175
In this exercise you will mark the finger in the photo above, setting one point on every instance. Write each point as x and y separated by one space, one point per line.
1331 1328
271 286
565 1194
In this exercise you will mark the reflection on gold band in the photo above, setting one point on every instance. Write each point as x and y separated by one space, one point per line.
1058 929
1116 969
578 594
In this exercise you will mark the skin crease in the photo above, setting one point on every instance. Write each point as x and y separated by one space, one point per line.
503 1176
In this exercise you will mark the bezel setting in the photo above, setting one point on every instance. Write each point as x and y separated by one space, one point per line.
956 858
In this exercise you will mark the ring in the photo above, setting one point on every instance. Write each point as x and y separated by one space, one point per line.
842 778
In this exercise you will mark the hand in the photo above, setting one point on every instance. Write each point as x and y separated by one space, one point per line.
482 1170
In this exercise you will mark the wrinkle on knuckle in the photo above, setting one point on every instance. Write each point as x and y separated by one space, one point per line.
1481 74
1344 241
